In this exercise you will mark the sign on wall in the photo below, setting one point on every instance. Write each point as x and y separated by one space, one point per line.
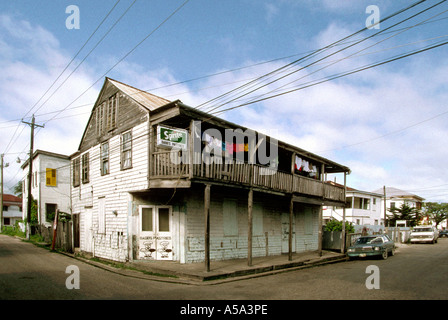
172 137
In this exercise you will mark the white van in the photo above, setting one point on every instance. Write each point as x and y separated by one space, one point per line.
424 234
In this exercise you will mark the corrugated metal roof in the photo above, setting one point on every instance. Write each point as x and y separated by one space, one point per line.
147 100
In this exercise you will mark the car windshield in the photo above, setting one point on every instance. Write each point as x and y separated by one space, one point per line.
422 230
366 240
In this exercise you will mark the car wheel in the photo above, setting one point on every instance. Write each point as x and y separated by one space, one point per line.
392 252
384 255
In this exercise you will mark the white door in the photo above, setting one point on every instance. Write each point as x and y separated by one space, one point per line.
155 239
88 234
285 233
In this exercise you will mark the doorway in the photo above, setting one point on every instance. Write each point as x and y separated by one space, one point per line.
285 232
155 239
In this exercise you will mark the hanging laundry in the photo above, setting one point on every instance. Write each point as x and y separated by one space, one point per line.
298 163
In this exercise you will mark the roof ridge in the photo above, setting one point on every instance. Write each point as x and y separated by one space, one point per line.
142 91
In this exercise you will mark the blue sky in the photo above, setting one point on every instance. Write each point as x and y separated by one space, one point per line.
388 124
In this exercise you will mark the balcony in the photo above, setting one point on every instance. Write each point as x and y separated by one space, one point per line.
167 166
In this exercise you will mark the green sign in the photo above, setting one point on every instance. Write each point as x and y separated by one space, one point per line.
172 137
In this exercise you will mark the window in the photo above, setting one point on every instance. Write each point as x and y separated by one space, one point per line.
85 168
147 219
100 118
6 221
76 172
50 177
164 219
112 112
230 217
105 158
50 211
309 221
257 220
126 150
106 115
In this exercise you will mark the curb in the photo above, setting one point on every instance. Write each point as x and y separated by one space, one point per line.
168 276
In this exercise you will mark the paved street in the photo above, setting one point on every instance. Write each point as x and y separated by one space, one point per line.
416 272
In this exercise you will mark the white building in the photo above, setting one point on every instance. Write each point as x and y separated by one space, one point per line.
396 197
12 209
50 185
141 190
362 208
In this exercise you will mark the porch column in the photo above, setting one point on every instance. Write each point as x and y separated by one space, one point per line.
207 227
291 212
249 229
319 250
319 231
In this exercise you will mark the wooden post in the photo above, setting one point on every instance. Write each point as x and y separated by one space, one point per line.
319 231
207 227
291 212
55 226
385 209
343 215
319 246
249 228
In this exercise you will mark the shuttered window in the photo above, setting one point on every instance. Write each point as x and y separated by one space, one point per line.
106 115
105 158
126 150
85 168
76 172
50 177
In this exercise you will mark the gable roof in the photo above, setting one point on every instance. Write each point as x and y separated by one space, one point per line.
46 153
397 193
145 99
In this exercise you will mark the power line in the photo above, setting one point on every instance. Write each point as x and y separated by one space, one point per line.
313 63
125 56
62 72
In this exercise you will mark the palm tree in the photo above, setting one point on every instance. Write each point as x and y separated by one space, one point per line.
18 189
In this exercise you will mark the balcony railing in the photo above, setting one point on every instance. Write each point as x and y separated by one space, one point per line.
167 165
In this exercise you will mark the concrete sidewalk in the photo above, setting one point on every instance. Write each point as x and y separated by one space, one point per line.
220 271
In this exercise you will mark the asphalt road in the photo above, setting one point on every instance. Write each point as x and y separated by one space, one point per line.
417 272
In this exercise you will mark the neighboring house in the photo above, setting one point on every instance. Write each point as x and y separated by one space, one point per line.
12 209
50 185
158 180
396 197
362 208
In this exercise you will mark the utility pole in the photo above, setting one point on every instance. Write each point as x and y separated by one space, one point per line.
385 216
1 198
30 175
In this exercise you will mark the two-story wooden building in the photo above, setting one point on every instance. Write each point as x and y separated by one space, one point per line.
158 180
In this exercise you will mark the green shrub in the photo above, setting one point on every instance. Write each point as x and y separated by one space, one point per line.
335 225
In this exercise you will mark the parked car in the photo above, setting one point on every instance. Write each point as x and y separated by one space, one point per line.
379 245
443 233
424 234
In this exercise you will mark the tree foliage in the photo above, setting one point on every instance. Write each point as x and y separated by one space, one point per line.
436 211
404 212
